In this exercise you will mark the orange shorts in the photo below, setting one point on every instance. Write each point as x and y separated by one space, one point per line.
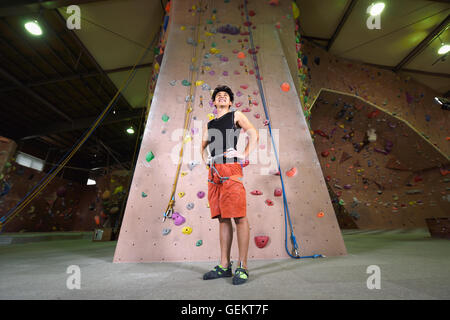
227 199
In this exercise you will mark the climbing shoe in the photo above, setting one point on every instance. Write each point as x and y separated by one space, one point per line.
218 272
240 276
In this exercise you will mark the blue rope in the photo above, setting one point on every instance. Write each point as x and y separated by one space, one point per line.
287 216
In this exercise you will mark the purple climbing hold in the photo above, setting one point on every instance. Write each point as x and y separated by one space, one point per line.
347 186
211 73
200 194
224 59
178 219
225 73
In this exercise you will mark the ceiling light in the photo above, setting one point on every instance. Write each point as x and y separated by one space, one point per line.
91 182
33 28
444 49
376 8
130 130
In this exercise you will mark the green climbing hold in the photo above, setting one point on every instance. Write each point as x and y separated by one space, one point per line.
229 41
185 83
149 156
209 21
156 50
214 11
144 194
213 45
165 117
305 99
333 158
341 202
199 243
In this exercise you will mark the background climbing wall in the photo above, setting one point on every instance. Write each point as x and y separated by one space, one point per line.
216 49
395 179
394 92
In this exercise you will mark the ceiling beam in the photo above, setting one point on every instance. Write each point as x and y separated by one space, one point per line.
79 124
425 73
344 18
13 79
24 7
424 43
75 77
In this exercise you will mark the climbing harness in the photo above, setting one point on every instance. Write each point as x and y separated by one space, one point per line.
212 165
295 249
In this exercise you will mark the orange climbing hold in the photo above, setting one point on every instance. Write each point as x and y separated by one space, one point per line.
320 214
241 55
285 87
292 172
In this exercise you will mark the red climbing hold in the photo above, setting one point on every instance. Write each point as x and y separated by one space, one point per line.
247 23
269 202
278 192
325 153
256 193
246 163
261 241
373 114
251 13
244 86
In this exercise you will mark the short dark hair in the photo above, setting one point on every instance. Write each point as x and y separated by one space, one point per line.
225 89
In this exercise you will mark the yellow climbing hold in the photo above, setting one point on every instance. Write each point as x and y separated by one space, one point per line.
214 50
341 126
183 28
210 116
295 10
198 83
187 139
208 34
207 205
183 173
181 194
187 230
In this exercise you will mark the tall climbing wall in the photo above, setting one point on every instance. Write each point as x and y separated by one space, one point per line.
209 45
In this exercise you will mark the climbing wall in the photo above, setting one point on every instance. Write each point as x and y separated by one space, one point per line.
383 171
206 47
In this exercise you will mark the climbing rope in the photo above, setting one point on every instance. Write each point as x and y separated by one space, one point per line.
295 249
66 158
192 89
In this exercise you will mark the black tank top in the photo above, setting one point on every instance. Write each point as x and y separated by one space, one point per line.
223 133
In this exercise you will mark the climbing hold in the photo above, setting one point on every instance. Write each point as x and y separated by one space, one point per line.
320 214
199 243
256 192
295 10
244 86
106 195
225 73
269 202
277 192
198 83
341 202
185 83
292 172
149 157
261 241
245 163
187 230
192 164
181 194
178 219
144 194
118 189
251 13
200 194
285 87
347 186
97 220
325 153
165 232
165 117
241 55
183 173
173 82
278 25
210 116
190 206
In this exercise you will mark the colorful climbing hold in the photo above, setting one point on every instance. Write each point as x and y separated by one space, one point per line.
165 232
144 195
200 194
269 202
261 241
285 87
199 243
277 192
292 172
187 230
241 55
256 192
178 219
149 157
185 83
320 214
181 194
165 117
